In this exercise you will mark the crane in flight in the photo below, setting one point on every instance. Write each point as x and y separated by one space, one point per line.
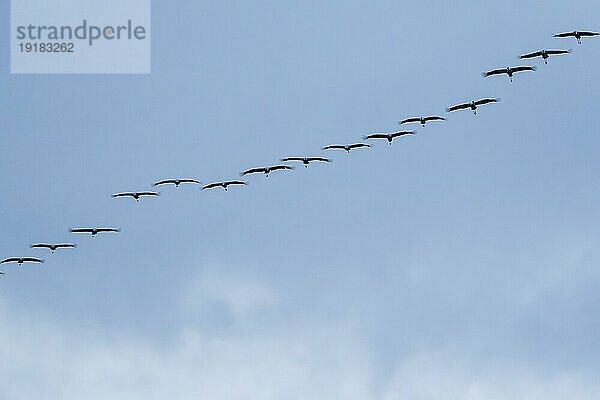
544 54
53 247
510 71
421 120
266 170
346 147
389 136
306 160
22 260
135 195
576 34
95 231
224 184
176 182
472 105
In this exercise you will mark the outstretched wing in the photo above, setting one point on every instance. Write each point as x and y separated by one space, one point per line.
154 194
108 230
229 183
126 194
213 185
409 120
358 145
292 159
41 246
376 136
458 107
9 260
523 68
81 230
321 159
333 146
434 118
32 259
564 34
486 101
588 33
280 167
556 52
197 182
531 55
499 71
401 133
165 182
254 171
65 245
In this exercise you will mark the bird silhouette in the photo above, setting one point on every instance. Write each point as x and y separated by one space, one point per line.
510 71
53 247
389 136
472 105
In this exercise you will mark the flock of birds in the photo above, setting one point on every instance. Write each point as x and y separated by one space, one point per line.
389 137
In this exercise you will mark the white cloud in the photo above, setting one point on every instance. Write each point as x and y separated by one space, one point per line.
319 360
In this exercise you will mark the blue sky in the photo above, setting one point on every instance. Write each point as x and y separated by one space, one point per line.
458 263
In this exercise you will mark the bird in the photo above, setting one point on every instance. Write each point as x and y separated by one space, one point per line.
1 273
21 260
306 160
176 182
224 184
422 120
576 34
53 247
472 105
347 147
265 170
136 195
510 71
94 231
389 136
545 54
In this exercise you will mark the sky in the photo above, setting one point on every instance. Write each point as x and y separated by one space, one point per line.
460 263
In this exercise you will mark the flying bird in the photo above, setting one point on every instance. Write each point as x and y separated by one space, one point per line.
265 170
53 247
388 136
347 147
472 105
576 34
545 54
223 185
94 231
135 195
306 160
421 120
176 182
21 260
510 71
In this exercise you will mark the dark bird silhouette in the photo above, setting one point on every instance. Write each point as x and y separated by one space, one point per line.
21 260
94 231
176 182
576 34
223 185
388 136
135 195
306 160
472 105
266 170
53 247
346 147
544 54
510 71
422 120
